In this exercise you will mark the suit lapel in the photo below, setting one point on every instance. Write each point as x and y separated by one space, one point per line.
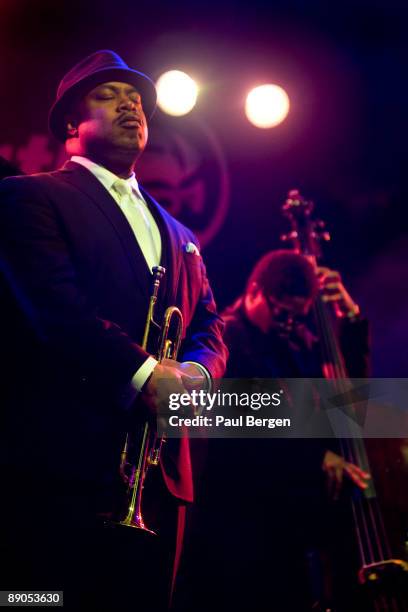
88 184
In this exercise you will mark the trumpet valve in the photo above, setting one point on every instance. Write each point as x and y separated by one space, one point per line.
154 457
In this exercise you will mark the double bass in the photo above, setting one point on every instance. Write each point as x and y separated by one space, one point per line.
382 575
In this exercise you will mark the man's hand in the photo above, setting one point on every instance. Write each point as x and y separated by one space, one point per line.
335 466
333 290
169 376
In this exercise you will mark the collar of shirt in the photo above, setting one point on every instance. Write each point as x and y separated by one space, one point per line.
105 176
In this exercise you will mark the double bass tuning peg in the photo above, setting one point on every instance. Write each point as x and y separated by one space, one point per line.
319 231
289 236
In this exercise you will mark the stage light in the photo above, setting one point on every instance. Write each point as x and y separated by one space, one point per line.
267 105
176 93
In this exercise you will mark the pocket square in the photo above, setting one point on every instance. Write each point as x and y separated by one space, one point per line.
190 247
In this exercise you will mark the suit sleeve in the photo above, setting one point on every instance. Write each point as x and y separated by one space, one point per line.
36 263
203 343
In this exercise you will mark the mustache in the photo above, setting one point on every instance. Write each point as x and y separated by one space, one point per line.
130 117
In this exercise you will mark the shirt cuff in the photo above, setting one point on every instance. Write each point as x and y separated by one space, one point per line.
138 380
142 374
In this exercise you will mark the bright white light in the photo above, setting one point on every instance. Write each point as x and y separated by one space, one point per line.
267 105
176 93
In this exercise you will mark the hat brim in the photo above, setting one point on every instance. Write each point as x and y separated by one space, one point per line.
63 105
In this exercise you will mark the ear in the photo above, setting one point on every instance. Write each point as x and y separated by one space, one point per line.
72 128
252 289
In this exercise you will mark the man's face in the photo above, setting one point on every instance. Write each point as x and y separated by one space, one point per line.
111 119
285 311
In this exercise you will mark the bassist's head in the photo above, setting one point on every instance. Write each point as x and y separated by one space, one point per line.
281 287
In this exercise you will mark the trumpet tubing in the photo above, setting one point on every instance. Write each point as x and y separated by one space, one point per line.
151 444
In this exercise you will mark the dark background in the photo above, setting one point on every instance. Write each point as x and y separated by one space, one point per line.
344 66
343 144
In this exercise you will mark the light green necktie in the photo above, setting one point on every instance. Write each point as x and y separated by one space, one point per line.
135 213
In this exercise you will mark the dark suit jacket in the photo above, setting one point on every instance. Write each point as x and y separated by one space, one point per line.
76 291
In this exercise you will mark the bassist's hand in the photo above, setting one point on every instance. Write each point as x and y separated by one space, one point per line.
333 290
335 467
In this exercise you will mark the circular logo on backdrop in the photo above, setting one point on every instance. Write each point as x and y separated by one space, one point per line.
183 167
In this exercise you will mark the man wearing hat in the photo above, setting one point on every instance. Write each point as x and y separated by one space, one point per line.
77 247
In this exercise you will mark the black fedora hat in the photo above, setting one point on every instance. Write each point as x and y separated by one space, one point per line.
95 69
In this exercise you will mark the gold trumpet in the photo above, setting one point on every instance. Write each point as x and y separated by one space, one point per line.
151 444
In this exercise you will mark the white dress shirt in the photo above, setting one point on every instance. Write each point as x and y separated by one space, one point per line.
149 242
